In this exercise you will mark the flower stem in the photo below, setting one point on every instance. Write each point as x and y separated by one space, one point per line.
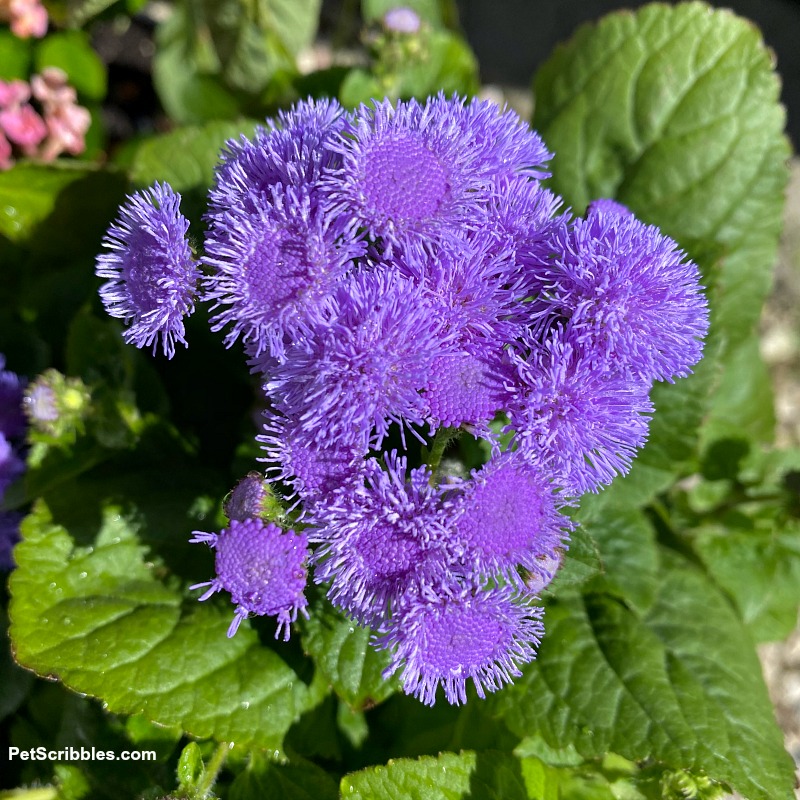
443 437
215 764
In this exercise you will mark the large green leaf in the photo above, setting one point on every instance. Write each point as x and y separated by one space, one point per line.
674 111
678 683
99 619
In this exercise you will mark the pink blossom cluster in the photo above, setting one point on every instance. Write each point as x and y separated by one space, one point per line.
26 17
59 128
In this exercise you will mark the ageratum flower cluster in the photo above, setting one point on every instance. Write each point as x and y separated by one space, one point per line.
400 273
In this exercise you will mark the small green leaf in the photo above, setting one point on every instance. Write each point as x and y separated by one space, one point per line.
478 776
72 52
28 195
341 649
99 619
266 780
186 157
190 767
15 57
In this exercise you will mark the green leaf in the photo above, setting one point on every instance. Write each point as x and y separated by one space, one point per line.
479 776
15 57
186 157
484 775
628 554
187 93
266 780
581 561
215 58
99 619
72 52
341 649
293 21
28 196
679 683
760 569
674 111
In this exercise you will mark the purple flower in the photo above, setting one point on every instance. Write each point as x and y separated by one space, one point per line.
508 518
11 465
247 499
363 363
453 633
422 173
402 19
12 416
313 468
464 389
580 424
9 536
270 265
632 301
152 275
263 569
607 206
473 287
291 151
378 539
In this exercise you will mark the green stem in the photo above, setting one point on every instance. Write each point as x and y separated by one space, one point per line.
443 437
212 769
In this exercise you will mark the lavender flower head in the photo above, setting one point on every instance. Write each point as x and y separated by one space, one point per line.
12 416
365 362
508 517
632 299
262 568
270 264
9 536
414 173
377 540
449 634
152 275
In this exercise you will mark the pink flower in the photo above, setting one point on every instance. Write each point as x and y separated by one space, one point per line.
51 89
14 93
67 125
28 18
23 126
6 162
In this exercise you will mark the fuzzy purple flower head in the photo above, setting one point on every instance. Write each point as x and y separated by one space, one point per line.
398 275
447 635
150 269
263 569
